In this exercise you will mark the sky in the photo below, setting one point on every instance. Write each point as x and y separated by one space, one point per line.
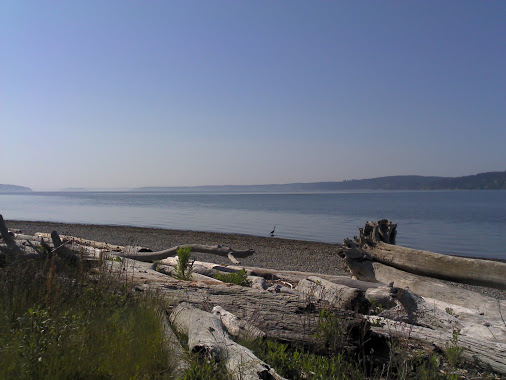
113 94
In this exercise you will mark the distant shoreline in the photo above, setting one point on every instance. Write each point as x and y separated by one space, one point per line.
481 181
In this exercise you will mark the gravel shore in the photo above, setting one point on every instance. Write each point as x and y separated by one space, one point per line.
274 253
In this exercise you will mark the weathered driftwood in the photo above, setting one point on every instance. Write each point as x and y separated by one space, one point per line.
492 354
375 232
206 335
145 254
458 269
8 238
376 243
202 267
219 250
439 290
196 276
257 282
283 317
339 296
81 241
295 276
237 327
178 355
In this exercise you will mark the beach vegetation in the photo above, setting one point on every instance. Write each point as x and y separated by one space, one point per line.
66 321
184 267
453 351
238 278
201 368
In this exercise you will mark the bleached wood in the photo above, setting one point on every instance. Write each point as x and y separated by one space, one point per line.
440 290
458 269
8 238
236 326
340 296
206 335
219 250
81 241
178 355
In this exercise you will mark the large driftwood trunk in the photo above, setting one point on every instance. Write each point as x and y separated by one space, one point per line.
339 296
206 335
439 290
376 243
445 267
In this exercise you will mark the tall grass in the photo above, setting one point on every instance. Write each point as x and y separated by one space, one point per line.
61 320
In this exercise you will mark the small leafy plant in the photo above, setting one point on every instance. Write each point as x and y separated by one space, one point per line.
238 278
184 268
453 350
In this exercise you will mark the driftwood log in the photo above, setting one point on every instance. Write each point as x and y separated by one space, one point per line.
147 255
206 335
237 327
453 268
219 250
178 355
7 237
339 296
376 232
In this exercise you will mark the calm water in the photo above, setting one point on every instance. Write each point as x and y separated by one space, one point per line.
470 223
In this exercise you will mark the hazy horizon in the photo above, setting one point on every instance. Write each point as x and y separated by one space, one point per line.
132 94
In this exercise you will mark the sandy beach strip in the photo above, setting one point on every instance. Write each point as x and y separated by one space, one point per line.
270 252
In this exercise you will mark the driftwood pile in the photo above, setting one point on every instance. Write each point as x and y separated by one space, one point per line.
395 293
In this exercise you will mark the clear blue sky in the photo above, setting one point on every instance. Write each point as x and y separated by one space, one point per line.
170 93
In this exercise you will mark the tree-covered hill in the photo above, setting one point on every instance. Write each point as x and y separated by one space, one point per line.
13 188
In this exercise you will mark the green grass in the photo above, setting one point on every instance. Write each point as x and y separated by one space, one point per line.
64 321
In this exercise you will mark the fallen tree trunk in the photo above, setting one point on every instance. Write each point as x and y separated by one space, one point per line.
445 267
81 241
439 290
219 250
177 353
237 327
206 335
283 317
296 276
340 296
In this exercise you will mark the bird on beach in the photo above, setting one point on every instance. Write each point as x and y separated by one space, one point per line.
272 232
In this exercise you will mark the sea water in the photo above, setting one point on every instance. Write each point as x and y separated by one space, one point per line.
468 223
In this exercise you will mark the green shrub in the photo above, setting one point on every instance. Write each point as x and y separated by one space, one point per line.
205 369
453 350
184 268
239 278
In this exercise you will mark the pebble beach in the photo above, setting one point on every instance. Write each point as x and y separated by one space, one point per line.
270 252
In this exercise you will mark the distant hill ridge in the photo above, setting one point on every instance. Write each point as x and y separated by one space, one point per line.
13 188
482 181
